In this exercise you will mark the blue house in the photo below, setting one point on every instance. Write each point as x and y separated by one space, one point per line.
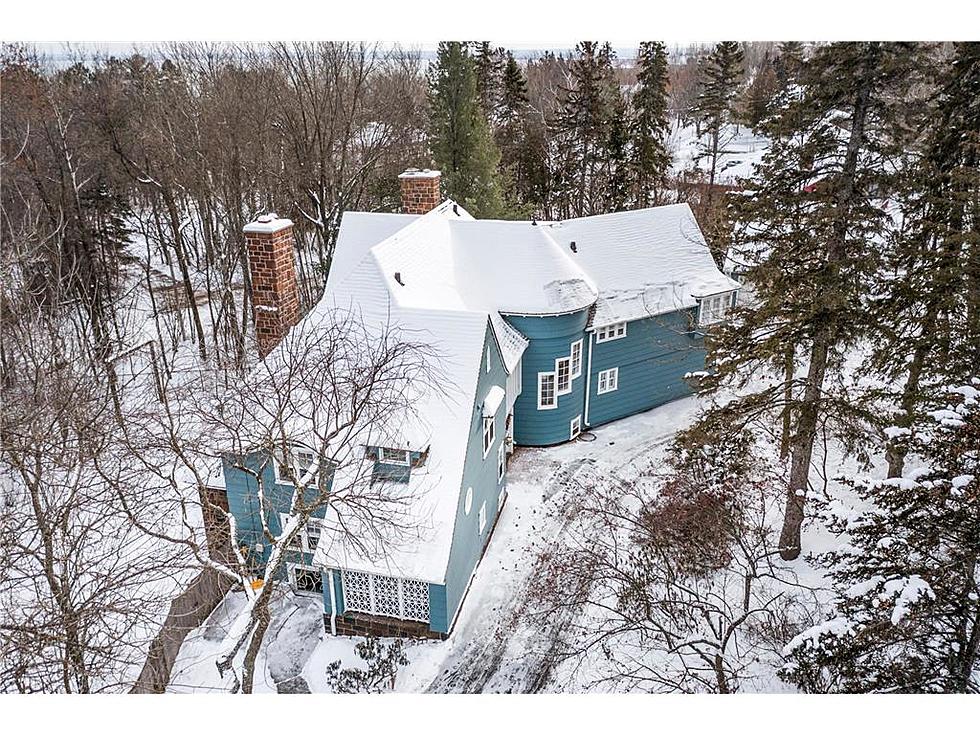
543 330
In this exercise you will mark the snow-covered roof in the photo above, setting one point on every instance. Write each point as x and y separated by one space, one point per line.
644 262
442 278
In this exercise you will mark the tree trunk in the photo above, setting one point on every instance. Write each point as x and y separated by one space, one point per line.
262 617
788 370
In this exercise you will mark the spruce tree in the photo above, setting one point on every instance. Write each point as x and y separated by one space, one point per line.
462 145
926 332
651 126
813 231
583 126
522 142
489 65
906 572
762 93
720 73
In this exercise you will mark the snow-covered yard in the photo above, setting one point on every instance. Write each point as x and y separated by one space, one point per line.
493 646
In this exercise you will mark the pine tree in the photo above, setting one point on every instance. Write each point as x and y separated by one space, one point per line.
462 145
907 572
762 92
651 126
812 230
583 127
520 136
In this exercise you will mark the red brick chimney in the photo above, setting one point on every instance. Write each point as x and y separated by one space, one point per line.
420 190
275 298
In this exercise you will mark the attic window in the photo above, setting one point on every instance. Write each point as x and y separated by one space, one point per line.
387 455
715 308
292 469
610 332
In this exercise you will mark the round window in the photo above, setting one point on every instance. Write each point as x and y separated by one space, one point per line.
469 500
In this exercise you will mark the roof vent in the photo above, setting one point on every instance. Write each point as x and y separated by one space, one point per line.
456 209
534 222
398 278
573 246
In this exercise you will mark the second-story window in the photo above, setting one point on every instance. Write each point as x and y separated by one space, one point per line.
576 359
293 468
610 332
715 308
563 373
546 391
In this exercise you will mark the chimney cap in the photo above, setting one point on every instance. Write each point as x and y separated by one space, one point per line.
267 224
425 173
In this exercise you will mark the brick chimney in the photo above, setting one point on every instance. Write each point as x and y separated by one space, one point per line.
420 190
275 298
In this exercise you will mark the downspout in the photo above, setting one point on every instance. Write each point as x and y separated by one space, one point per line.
588 380
333 606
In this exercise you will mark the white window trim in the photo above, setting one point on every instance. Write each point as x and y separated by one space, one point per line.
483 517
468 501
490 421
610 332
501 461
576 373
306 568
568 386
575 427
488 358
614 374
404 461
714 309
292 461
303 538
554 404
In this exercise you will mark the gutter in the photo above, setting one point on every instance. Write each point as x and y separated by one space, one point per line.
588 379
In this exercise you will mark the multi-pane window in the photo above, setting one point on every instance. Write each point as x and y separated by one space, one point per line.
488 358
563 373
394 597
483 516
610 332
546 391
312 535
489 433
715 308
293 467
387 455
608 380
575 427
576 359
501 461
307 580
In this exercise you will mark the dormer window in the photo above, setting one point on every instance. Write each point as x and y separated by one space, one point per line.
387 455
715 308
610 332
293 468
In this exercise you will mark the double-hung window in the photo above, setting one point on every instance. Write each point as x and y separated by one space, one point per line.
575 427
294 466
608 381
563 373
576 359
547 398
489 433
501 461
610 332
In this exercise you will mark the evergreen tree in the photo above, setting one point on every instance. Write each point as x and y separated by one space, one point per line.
523 144
583 127
651 126
812 230
907 572
926 330
489 64
462 145
762 92
720 73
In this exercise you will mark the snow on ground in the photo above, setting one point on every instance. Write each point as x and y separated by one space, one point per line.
741 150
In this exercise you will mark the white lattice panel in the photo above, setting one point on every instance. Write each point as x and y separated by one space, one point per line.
386 596
357 591
416 600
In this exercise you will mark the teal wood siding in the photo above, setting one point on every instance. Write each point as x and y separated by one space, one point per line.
438 617
243 503
332 576
652 359
481 474
550 337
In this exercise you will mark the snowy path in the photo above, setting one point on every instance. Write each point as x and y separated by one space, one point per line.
490 649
